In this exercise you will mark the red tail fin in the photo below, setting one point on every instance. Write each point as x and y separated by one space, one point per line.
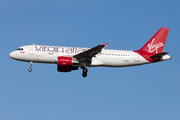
156 43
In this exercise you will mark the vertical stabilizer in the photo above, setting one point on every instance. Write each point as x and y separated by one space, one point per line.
156 43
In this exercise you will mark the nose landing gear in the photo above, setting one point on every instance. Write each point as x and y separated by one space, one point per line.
84 74
30 69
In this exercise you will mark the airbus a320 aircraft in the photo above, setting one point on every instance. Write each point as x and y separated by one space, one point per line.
71 58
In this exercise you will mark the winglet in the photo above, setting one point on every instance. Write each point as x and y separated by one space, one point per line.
106 44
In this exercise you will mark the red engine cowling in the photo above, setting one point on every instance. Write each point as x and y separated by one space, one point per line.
65 61
65 64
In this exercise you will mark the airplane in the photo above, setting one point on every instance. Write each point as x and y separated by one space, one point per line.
72 58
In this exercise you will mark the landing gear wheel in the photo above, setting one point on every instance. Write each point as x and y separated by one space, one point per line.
85 70
29 69
84 74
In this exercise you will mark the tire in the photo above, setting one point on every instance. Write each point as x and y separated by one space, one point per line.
85 70
84 74
29 69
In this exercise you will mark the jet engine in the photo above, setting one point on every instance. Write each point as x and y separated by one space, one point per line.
65 64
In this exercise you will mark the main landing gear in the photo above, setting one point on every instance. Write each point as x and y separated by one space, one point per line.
84 74
30 69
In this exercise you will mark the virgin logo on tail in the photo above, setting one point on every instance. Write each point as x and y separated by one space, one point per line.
153 47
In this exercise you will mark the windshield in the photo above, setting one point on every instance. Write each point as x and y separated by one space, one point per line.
19 49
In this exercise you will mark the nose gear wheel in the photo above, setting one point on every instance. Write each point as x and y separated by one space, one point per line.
30 69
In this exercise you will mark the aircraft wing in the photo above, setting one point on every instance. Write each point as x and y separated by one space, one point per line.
88 54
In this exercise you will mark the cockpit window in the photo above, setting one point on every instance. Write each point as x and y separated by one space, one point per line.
19 49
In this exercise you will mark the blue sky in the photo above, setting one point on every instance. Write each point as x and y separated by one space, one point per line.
144 92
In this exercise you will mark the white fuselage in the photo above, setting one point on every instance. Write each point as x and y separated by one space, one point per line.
49 54
71 58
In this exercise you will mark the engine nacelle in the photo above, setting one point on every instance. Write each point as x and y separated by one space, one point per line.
65 61
66 69
65 64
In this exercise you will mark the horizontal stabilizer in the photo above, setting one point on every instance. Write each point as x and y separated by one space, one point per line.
158 55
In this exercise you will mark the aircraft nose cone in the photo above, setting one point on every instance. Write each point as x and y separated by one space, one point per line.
11 55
